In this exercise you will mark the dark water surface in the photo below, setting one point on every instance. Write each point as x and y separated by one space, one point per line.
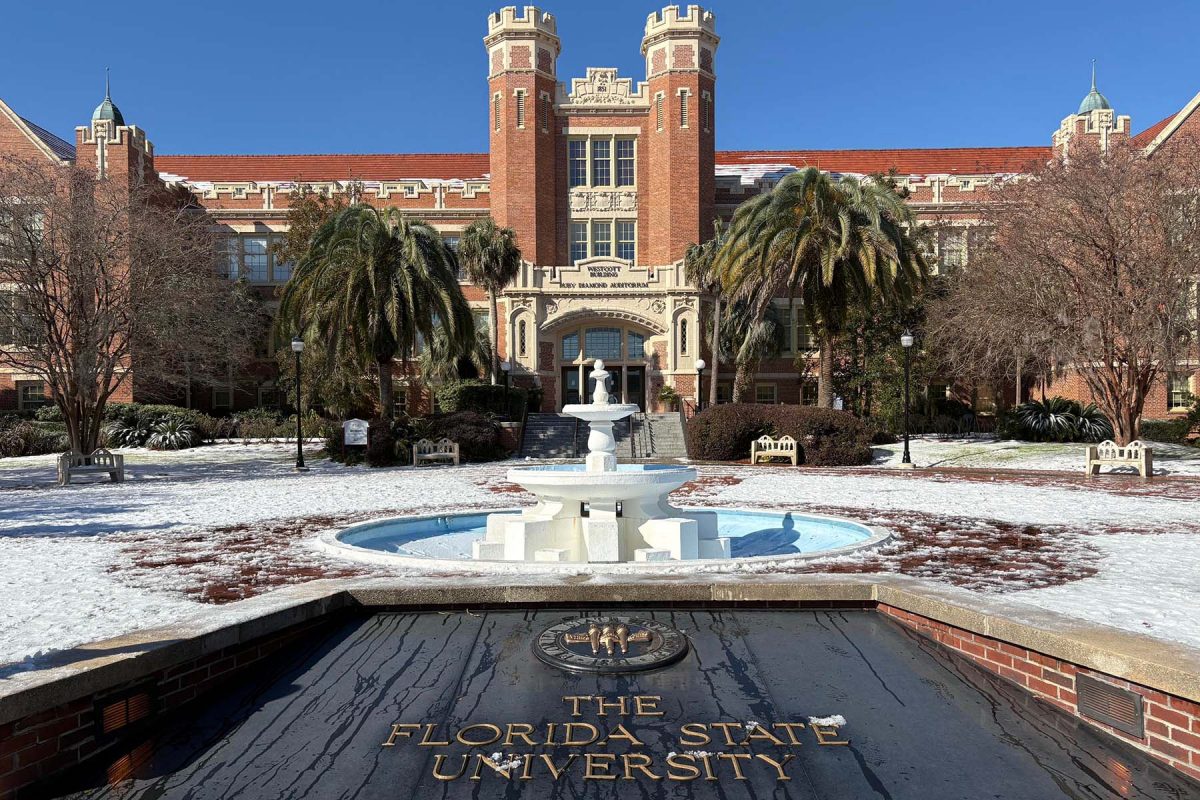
921 724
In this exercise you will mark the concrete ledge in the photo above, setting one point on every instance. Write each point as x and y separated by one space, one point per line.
86 670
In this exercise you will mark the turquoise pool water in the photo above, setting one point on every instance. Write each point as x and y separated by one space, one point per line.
753 533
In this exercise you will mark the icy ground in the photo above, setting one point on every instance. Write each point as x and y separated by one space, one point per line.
191 531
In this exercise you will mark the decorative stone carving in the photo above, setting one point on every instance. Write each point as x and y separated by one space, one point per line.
601 200
658 306
602 88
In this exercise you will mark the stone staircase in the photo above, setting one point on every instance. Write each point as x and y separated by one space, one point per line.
640 437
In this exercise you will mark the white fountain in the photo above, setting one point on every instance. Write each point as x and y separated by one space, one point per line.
599 510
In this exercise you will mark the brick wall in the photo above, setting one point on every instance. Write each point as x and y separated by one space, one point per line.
38 748
1172 723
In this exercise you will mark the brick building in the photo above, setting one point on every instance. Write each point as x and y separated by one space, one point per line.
606 181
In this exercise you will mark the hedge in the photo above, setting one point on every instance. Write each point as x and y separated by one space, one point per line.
824 437
483 398
478 435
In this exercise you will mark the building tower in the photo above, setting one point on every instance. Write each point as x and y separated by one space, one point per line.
116 151
1094 124
680 49
522 52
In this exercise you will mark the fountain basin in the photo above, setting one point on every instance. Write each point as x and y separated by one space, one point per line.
627 482
761 540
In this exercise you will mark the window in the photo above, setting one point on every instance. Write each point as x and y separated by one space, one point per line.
808 393
31 395
625 162
228 258
399 399
706 105
724 392
452 242
570 346
601 238
636 346
683 108
952 248
577 162
601 162
603 343
766 393
787 321
222 398
545 112
268 397
626 239
522 339
520 108
496 111
683 337
281 271
254 259
579 241
17 324
658 111
1179 391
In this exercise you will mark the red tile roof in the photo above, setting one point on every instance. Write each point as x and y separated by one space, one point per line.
958 160
1147 136
325 167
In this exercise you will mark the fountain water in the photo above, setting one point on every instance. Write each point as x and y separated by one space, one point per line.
600 510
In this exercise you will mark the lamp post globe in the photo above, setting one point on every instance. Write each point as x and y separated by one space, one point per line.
906 341
298 348
700 365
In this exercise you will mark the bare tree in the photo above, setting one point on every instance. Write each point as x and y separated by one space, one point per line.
103 281
1090 269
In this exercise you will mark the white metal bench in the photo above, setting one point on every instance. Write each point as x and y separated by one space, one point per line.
764 447
1135 454
426 451
100 461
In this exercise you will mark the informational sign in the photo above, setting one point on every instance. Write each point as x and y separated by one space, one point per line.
839 404
354 432
606 276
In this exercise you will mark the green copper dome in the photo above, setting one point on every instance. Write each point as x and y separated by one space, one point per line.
108 109
1094 99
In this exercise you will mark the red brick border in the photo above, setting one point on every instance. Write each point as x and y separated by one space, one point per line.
1172 723
45 744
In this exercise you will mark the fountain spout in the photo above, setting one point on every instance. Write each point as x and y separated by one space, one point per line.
600 414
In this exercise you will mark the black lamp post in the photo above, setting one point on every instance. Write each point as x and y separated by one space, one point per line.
298 348
906 341
700 365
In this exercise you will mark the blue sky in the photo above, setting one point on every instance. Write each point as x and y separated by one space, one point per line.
368 76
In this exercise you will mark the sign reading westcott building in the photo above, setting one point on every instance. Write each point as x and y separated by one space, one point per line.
580 745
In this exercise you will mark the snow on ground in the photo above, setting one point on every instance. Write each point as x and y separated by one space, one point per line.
189 531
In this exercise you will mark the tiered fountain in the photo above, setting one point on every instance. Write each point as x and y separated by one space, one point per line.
600 511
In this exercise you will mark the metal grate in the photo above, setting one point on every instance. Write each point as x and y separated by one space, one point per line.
1112 705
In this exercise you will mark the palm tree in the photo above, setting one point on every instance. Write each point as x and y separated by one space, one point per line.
746 339
823 240
372 285
698 267
492 260
439 365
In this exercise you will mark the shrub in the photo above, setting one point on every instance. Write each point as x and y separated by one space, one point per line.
1171 431
483 398
1055 420
133 433
825 437
172 433
20 437
478 436
49 413
132 424
384 449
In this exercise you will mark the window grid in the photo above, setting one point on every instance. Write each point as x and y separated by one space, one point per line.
683 108
636 345
766 393
601 238
579 241
577 162
707 111
520 108
625 162
601 162
1179 392
602 343
30 395
626 239
683 337
570 346
522 339
545 112
255 260
658 111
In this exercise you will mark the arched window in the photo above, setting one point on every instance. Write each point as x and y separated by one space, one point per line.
683 337
522 344
570 347
603 343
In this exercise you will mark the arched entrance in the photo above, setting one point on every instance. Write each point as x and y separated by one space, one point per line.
622 345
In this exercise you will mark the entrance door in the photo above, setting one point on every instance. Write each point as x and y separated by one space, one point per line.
636 392
570 386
